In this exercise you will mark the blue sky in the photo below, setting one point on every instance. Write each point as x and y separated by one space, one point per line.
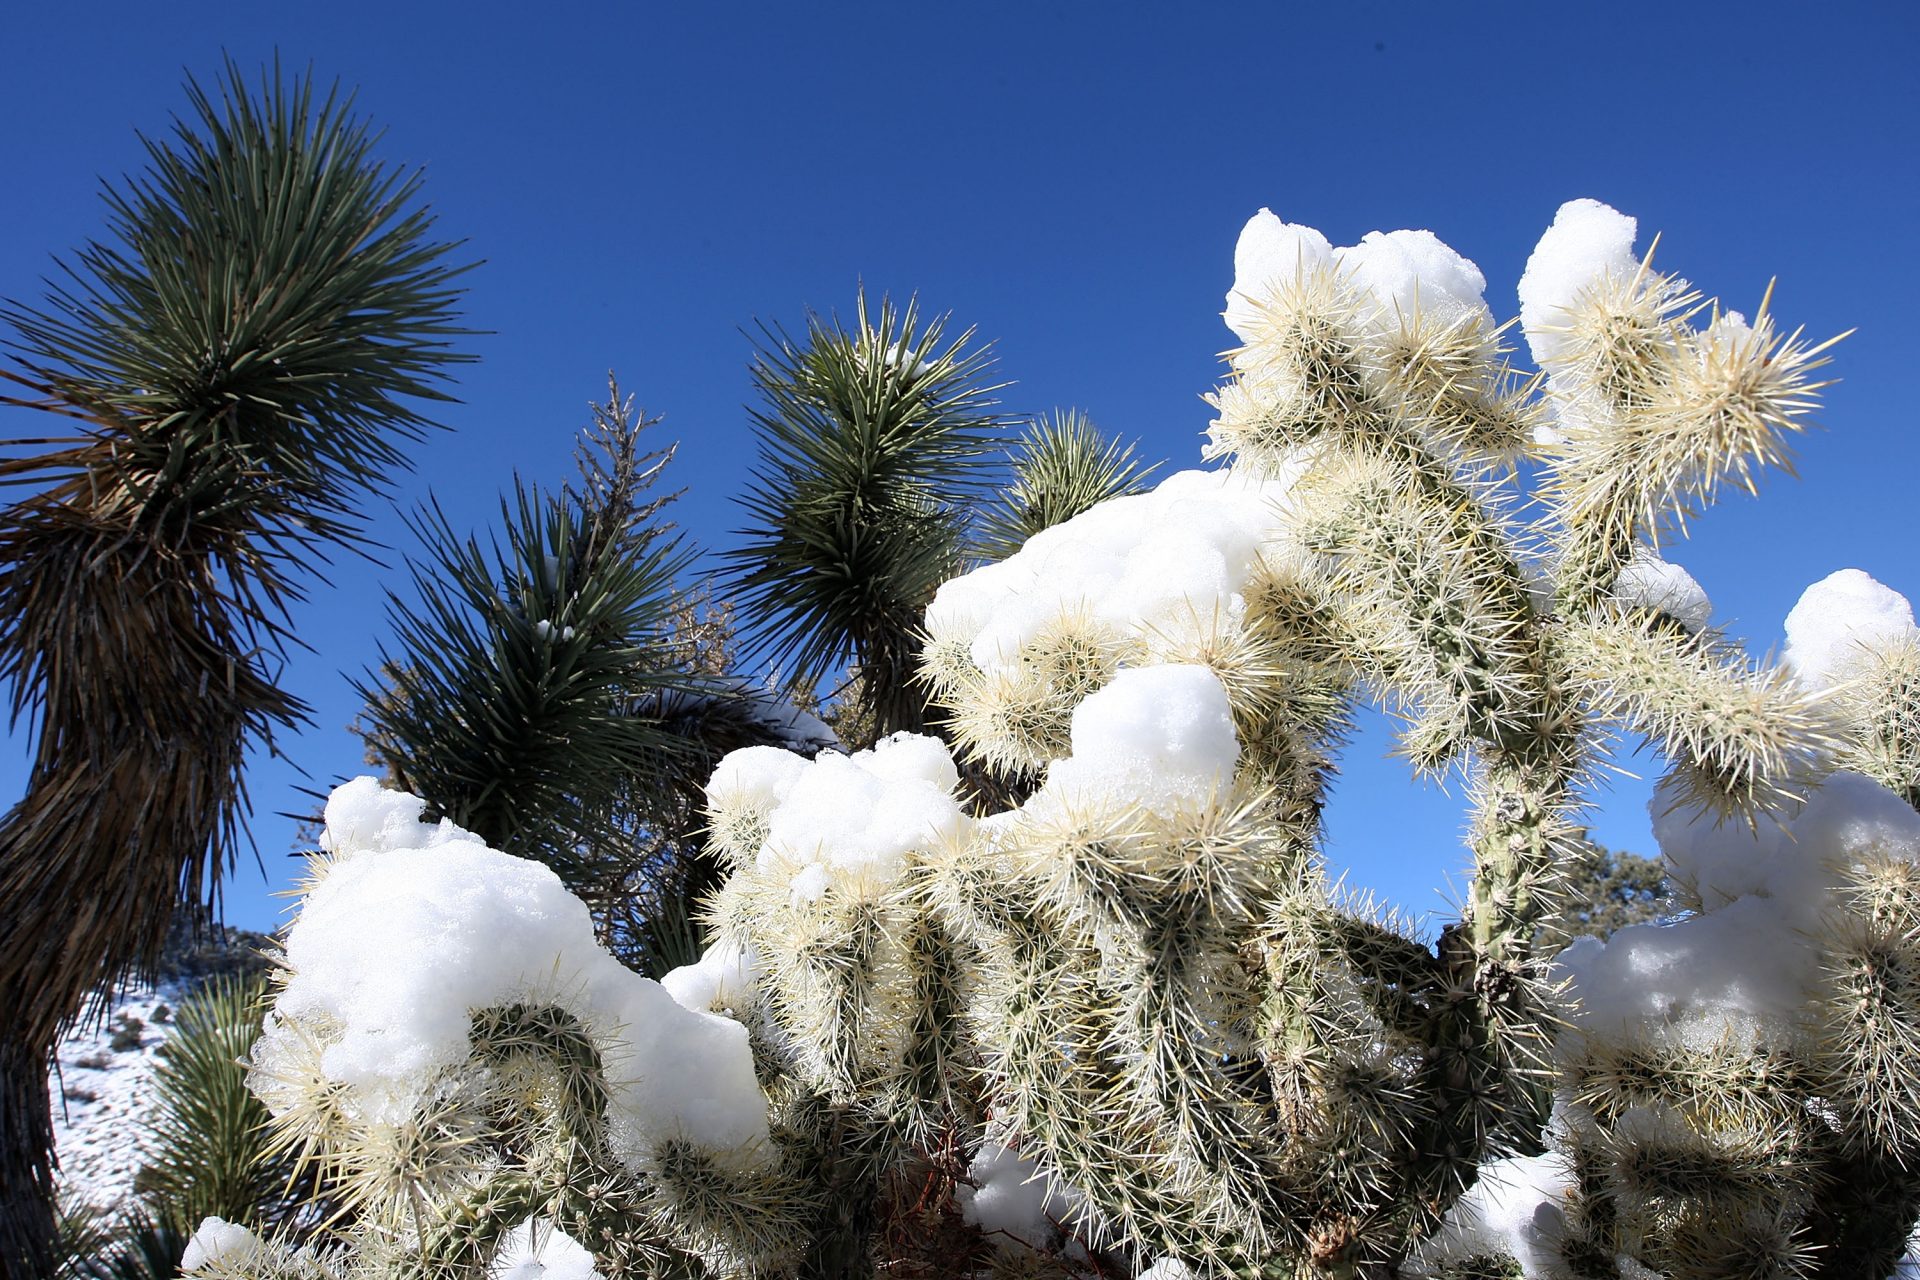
643 180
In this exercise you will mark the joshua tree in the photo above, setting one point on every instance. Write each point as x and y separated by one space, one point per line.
509 703
560 698
873 443
238 363
1061 467
1127 1027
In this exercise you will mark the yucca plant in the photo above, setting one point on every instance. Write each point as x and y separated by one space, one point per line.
558 693
241 363
513 698
133 1247
874 442
1061 467
208 1150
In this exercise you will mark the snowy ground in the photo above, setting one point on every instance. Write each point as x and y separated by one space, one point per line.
101 1092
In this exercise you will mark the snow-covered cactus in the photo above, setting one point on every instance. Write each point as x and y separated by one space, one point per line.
1127 1026
453 1046
1364 543
828 947
1738 1090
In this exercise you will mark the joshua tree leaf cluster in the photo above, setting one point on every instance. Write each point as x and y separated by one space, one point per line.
872 445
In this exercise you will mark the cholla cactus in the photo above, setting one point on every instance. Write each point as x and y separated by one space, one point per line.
1364 544
1136 990
452 1045
1737 1087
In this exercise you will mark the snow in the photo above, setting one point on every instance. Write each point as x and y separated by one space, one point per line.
101 1095
1411 273
362 816
1012 1199
1166 1269
1158 738
1270 254
899 356
853 820
218 1241
1588 243
410 929
1516 1210
1167 562
749 784
1838 621
722 978
1648 582
911 757
1746 965
1402 274
538 1250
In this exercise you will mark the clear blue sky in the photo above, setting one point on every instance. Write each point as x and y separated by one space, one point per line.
645 179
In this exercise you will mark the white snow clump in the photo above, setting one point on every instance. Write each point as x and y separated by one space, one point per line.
845 820
1515 1209
1838 621
1648 582
1746 966
410 929
364 817
1160 738
1403 273
722 978
216 1240
751 782
1011 1197
1411 273
1269 255
1167 1268
1161 564
538 1250
1588 244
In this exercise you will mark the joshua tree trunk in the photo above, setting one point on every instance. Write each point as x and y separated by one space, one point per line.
26 1180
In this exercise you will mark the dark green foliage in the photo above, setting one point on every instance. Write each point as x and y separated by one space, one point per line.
209 1149
1604 890
514 702
1061 467
873 443
241 355
553 692
268 307
136 1247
